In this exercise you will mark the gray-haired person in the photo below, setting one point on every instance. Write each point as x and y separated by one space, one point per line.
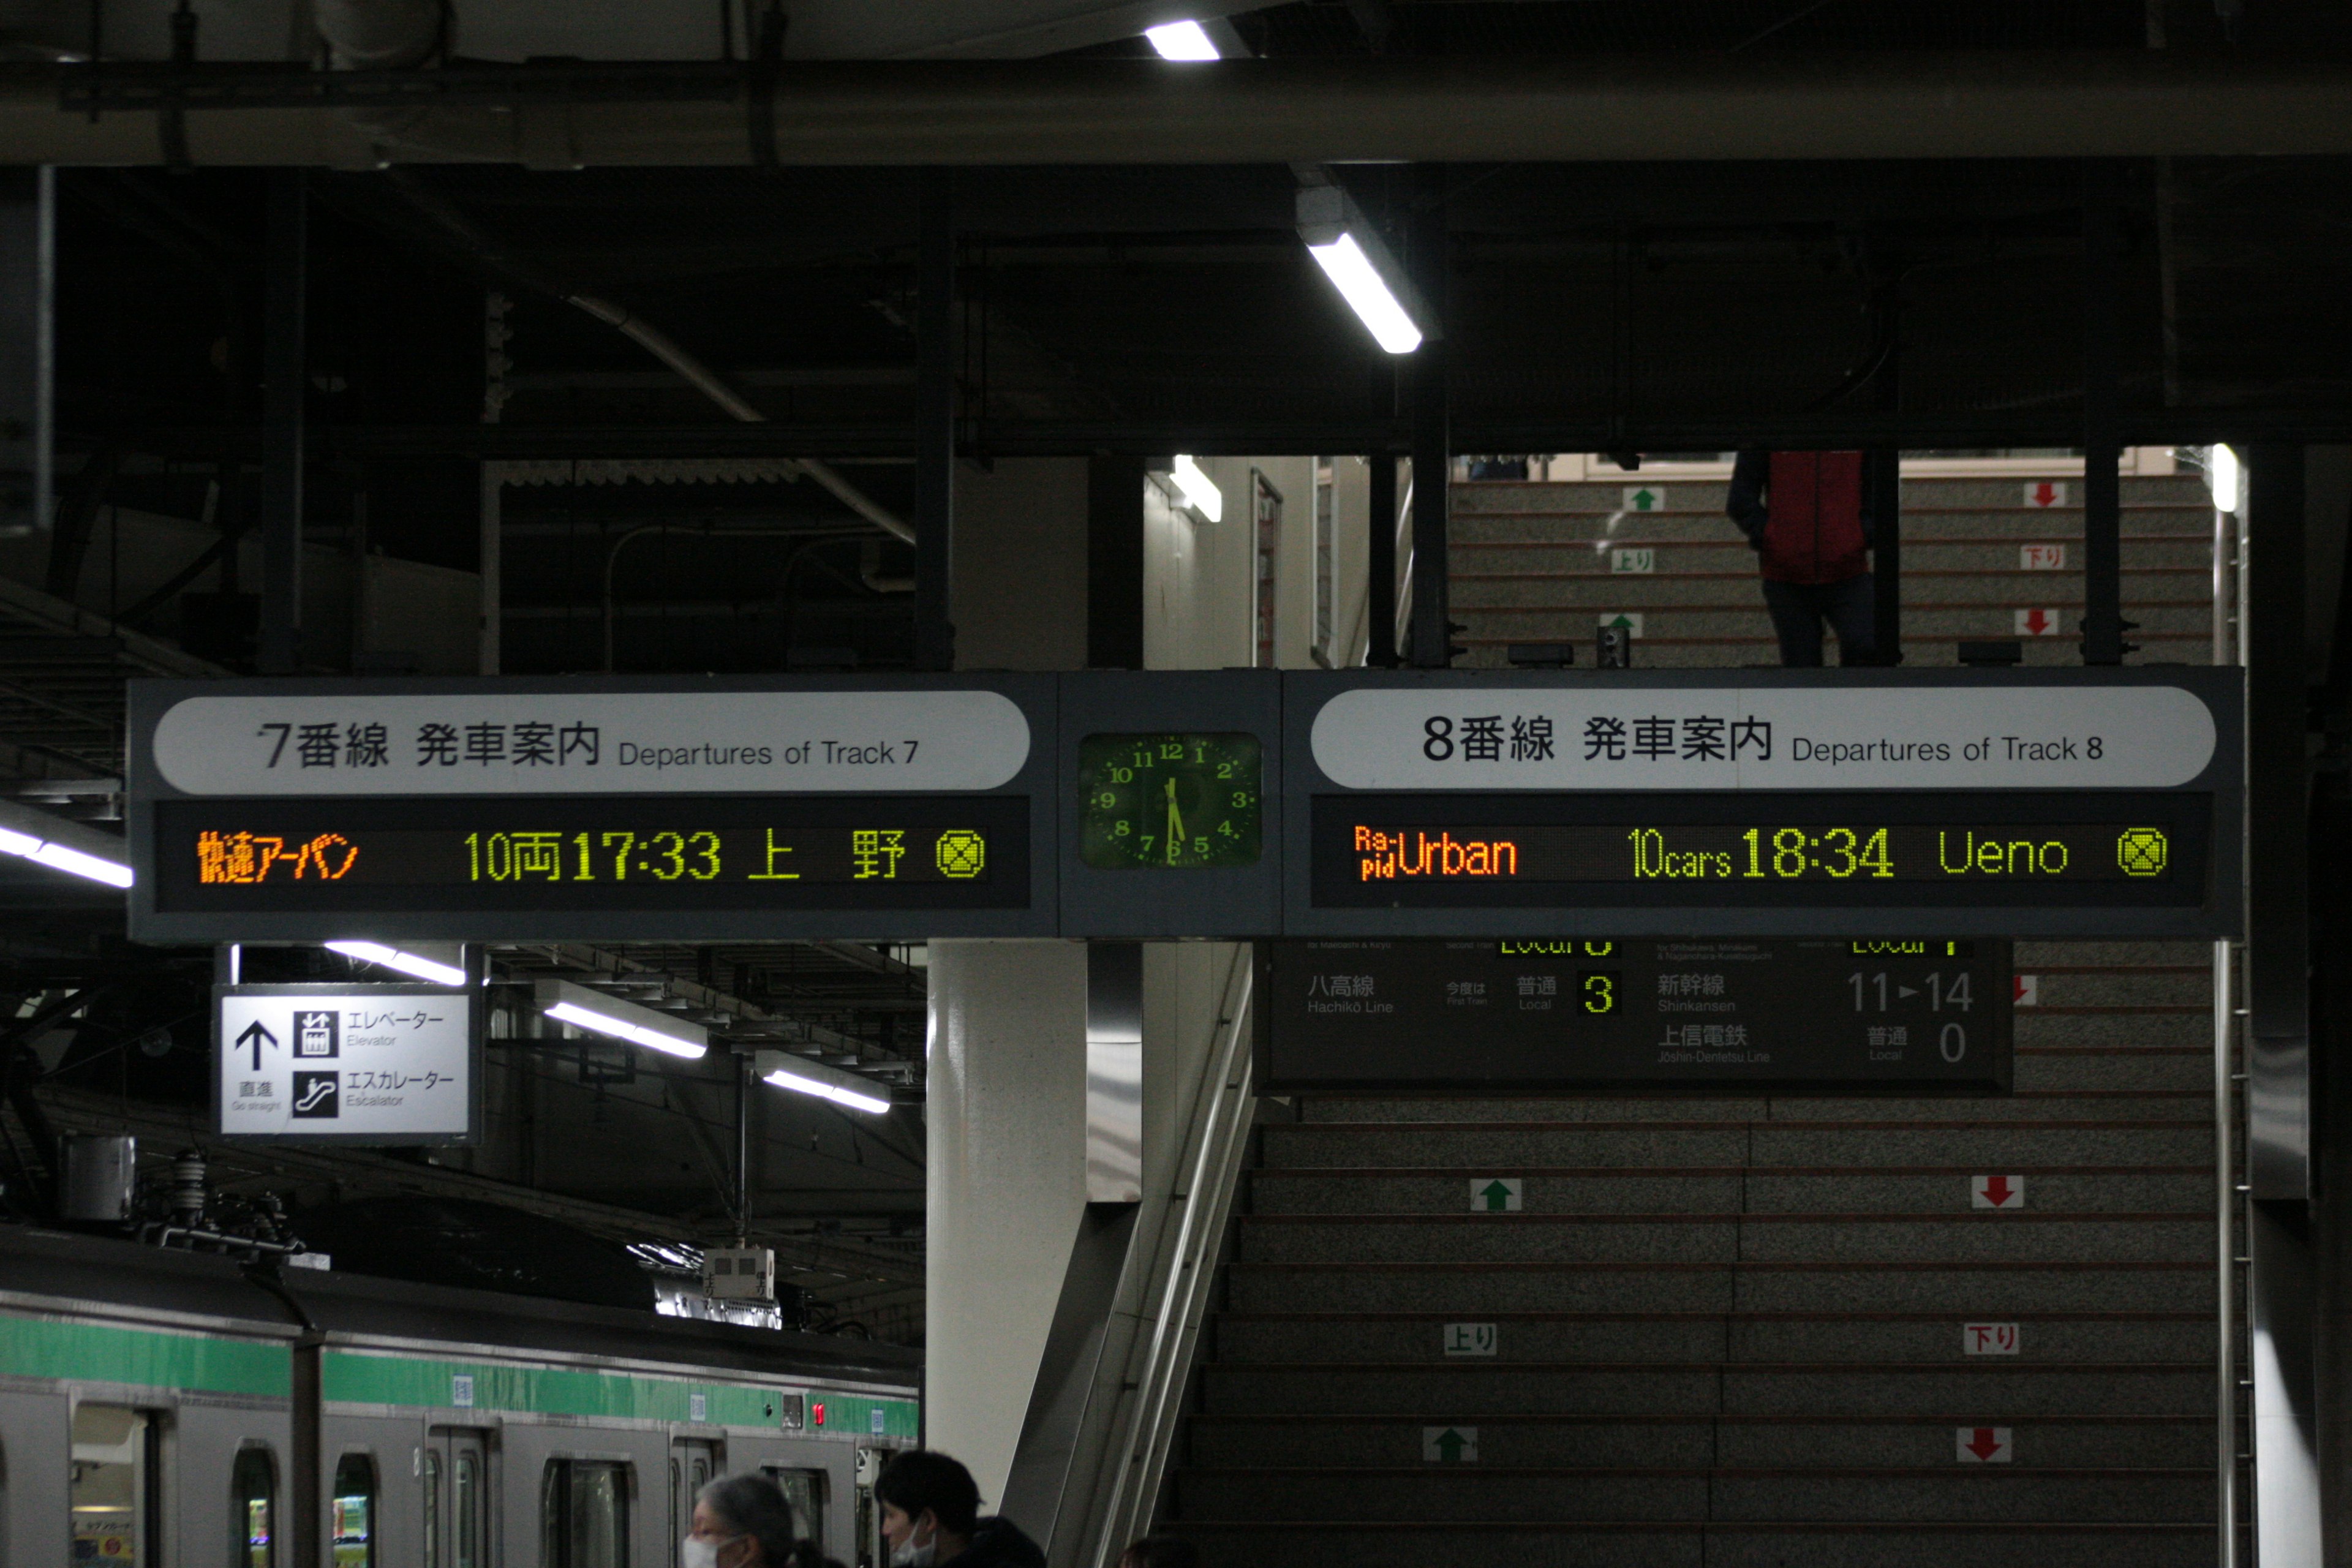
743 1521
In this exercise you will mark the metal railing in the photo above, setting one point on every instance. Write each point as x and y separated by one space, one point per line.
1177 1288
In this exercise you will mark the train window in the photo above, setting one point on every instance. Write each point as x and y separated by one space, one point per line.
805 1490
354 1512
252 1500
429 1475
113 1491
583 1515
469 1508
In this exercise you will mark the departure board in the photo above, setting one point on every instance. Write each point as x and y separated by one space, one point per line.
1712 1014
608 853
1728 850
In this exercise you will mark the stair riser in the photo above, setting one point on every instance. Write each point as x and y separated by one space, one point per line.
1542 621
2102 1103
1669 1341
1485 582
1790 1546
1467 1293
1487 649
2020 1391
1781 1444
2061 1073
1857 1193
1504 1239
1988 1149
1977 1494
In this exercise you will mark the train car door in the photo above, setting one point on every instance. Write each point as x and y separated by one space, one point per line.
456 1487
694 1463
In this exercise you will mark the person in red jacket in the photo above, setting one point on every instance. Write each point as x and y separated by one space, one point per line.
1804 516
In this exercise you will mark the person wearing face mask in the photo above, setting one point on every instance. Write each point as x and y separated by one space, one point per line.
930 1517
743 1521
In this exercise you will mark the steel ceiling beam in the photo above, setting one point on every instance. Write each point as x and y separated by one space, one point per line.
1643 108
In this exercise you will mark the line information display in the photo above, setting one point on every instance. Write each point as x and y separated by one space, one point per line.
1716 1014
1727 850
601 854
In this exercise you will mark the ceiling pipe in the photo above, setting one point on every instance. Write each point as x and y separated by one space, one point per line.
647 336
1863 105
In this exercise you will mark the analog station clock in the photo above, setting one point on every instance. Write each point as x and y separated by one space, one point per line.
1170 801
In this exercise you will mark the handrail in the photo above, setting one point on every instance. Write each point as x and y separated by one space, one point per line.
1136 1457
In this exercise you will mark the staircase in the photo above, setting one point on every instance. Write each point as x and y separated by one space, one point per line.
1732 1331
1539 561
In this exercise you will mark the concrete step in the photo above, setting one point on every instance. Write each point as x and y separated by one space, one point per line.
1537 1543
1984 1145
1730 1190
2174 1027
1975 1237
1825 1337
1529 586
1665 623
1471 1291
2009 1390
2180 986
1762 1109
1487 649
2005 1493
1701 1440
2069 1069
1481 545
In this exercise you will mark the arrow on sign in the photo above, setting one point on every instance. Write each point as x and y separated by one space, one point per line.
256 1035
2037 623
1498 1196
1450 1444
1997 1192
1643 500
2028 990
2046 494
1989 1445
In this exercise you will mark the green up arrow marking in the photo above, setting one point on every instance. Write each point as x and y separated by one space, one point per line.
1497 1195
1642 500
1623 621
1450 1444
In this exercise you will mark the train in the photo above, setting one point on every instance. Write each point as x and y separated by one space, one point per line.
164 1409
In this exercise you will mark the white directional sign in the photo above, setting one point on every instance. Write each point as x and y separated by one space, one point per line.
371 1064
590 743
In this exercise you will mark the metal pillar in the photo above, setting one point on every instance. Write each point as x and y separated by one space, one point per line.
2103 614
282 390
1883 483
935 424
27 287
1115 562
1379 556
1432 458
2286 1502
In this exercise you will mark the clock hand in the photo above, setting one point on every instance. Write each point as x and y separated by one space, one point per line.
1175 824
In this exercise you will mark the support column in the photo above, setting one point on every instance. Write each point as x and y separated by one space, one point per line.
2103 615
2286 1500
282 393
935 424
1115 562
1006 1114
1432 457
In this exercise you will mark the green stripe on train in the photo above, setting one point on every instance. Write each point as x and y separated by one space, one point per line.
351 1378
99 1352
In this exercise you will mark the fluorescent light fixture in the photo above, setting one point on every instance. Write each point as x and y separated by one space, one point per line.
2225 477
414 963
52 841
1351 255
1200 490
803 1076
1182 41
599 1014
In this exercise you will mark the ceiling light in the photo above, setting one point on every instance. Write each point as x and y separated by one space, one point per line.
599 1014
1200 490
406 962
37 835
1182 41
803 1076
1358 264
2225 477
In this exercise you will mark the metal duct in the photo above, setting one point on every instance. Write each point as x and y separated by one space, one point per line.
1956 105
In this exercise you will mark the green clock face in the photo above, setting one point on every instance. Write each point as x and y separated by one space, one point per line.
1157 802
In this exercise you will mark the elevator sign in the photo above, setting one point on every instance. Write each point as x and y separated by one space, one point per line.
349 1064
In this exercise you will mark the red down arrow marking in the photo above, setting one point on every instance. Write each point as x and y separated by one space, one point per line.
1983 1444
1997 1189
